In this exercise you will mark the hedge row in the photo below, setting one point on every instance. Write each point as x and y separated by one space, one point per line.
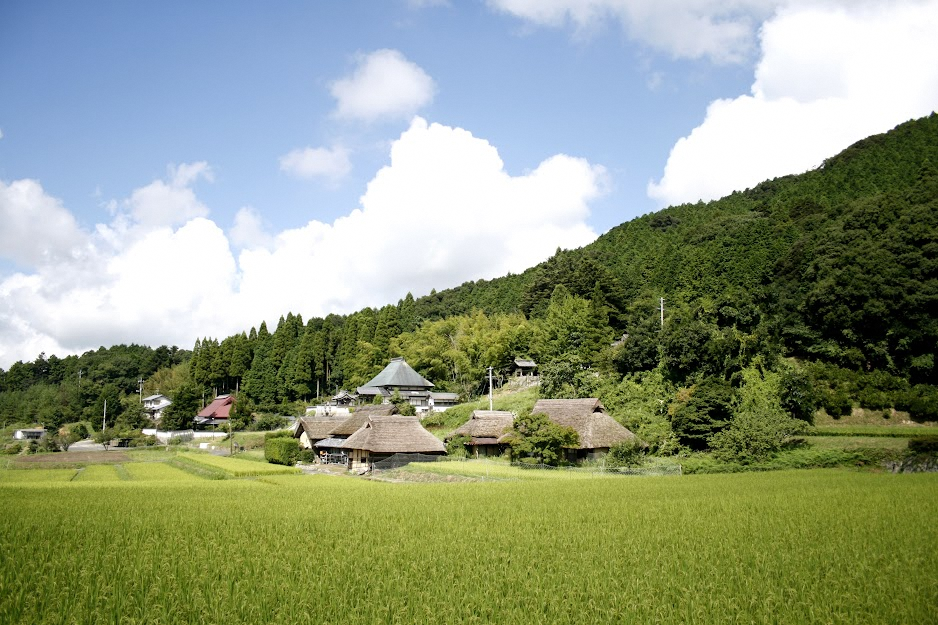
285 451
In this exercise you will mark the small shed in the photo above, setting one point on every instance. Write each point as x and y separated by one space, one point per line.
343 398
313 429
524 367
382 437
29 434
485 429
597 430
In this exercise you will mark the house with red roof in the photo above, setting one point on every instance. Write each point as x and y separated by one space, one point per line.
217 412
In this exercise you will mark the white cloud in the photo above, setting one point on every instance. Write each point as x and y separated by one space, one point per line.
720 30
442 212
172 202
248 230
828 76
332 163
36 227
384 85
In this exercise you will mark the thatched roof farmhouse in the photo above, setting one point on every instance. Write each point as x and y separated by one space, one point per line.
382 437
485 429
598 431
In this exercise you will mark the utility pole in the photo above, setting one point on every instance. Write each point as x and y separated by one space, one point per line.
490 388
140 386
104 419
79 378
662 313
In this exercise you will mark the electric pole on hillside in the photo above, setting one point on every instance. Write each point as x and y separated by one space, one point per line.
662 313
490 388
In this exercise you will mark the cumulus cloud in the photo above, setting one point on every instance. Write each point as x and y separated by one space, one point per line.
384 85
248 230
36 227
170 202
718 30
442 212
331 163
828 76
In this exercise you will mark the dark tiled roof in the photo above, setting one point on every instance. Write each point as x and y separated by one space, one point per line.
399 373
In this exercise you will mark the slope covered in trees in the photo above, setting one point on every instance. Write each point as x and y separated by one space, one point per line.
819 289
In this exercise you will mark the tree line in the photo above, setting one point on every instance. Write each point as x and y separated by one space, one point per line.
811 291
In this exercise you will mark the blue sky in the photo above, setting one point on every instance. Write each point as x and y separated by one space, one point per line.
170 170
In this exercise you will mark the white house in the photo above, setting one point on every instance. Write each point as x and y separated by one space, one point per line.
155 404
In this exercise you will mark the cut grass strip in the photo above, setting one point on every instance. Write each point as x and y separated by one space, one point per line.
98 473
237 467
896 431
159 472
197 469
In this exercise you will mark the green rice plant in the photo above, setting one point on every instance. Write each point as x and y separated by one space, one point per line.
824 546
98 473
239 468
36 476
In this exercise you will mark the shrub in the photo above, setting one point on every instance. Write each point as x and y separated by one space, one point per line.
754 437
537 436
13 449
456 447
797 395
307 455
283 451
278 434
924 444
837 404
267 422
924 403
628 453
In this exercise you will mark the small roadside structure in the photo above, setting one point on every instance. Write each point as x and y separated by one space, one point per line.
524 367
597 430
29 434
343 398
216 413
485 429
382 437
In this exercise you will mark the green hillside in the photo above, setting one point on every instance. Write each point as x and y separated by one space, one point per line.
807 292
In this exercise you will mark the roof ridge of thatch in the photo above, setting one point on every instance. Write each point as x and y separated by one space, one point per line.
588 417
395 434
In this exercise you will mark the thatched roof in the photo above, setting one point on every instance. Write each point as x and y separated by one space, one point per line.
350 425
489 424
399 374
397 434
588 417
317 428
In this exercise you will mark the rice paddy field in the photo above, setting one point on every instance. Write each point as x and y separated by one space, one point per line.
157 544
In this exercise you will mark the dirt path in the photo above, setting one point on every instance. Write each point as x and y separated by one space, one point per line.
73 457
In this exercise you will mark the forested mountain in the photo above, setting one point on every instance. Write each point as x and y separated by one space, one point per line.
826 283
